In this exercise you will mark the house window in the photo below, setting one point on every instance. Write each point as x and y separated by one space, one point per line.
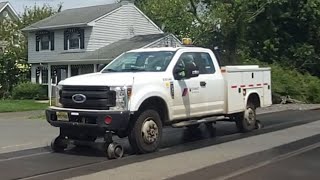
74 41
74 38
44 41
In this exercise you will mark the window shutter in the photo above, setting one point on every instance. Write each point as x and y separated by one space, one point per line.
65 40
52 40
37 43
81 38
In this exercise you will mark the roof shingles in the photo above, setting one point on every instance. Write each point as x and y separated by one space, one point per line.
77 16
113 50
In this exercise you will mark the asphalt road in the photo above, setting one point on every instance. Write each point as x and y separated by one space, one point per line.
40 163
304 165
297 160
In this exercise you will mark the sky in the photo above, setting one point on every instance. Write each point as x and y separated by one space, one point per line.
19 5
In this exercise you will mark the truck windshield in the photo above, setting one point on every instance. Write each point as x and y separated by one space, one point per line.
156 61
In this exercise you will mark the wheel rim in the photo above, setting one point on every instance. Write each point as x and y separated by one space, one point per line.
149 131
114 151
249 116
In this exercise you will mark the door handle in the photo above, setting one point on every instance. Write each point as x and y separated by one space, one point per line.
202 83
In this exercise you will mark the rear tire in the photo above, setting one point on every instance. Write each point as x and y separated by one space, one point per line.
246 121
146 132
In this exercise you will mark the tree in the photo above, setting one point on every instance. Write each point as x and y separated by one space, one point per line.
171 15
283 31
209 23
14 65
287 32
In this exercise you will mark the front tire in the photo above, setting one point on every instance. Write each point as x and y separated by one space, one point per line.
246 121
57 145
146 132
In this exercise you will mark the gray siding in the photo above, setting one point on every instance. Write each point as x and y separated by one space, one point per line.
43 56
122 23
119 25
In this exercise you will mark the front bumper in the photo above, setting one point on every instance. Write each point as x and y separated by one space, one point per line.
88 119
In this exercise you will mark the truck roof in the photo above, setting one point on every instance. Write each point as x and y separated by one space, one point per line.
166 49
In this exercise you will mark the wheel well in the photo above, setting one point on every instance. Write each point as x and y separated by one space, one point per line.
255 99
157 104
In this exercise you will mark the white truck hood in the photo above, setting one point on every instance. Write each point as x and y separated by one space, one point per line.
100 79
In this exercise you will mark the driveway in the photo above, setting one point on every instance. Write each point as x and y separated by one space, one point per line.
24 130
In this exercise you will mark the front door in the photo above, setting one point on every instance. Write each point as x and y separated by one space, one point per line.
187 100
211 84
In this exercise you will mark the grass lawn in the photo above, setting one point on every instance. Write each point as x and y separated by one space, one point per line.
21 105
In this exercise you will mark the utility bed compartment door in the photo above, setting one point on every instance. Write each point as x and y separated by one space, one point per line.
243 80
267 88
233 96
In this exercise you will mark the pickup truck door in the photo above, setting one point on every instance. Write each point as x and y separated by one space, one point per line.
187 100
211 83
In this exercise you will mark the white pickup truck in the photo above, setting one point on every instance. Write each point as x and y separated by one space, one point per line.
143 90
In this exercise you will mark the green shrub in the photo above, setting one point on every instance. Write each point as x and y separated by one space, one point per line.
288 81
29 90
313 89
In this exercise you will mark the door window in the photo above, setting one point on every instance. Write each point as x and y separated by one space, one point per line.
202 60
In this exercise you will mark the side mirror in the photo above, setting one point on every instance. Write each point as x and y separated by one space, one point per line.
189 71
192 70
101 66
179 72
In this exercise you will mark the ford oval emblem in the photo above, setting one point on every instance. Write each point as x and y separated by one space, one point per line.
79 98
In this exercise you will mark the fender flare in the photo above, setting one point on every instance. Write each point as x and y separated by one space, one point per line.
251 92
136 104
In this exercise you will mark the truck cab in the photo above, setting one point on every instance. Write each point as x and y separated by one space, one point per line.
143 90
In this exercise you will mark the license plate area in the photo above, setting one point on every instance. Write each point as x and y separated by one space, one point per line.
62 116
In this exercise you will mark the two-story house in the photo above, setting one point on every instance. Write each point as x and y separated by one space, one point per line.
7 13
75 41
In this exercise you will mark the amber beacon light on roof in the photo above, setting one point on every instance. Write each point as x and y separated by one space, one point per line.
187 41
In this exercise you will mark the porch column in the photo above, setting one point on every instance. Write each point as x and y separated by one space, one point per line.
95 68
40 75
69 70
33 74
49 84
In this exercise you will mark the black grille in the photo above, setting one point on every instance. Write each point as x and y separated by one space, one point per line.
97 97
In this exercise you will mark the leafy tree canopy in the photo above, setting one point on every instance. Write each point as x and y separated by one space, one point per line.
282 31
14 60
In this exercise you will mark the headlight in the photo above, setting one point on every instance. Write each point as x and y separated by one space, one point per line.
123 94
58 93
